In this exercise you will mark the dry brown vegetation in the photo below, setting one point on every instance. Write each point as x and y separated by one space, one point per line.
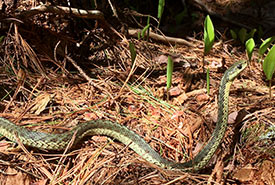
57 71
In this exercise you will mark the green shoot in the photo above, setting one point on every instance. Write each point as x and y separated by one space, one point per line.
260 32
144 30
242 35
266 43
139 35
133 52
251 34
1 38
233 35
208 81
249 45
269 66
179 17
169 75
160 10
209 34
148 30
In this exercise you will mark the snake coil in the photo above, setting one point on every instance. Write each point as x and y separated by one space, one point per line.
128 137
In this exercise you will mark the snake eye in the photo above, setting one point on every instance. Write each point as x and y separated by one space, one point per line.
239 66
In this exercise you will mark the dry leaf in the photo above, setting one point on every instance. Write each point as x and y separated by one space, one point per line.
232 117
202 97
245 174
18 178
180 99
41 102
175 91
90 116
176 115
268 172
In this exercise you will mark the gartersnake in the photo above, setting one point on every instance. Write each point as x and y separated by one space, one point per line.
123 134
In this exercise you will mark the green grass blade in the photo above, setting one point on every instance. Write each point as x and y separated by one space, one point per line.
160 9
148 30
144 30
169 73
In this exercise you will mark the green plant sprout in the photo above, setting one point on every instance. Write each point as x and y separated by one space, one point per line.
169 71
207 81
251 34
269 66
132 52
249 45
133 65
233 35
1 38
242 34
160 10
266 43
146 30
209 36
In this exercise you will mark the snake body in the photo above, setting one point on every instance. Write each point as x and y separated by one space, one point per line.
121 133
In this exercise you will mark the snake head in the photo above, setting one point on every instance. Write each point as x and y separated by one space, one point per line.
236 69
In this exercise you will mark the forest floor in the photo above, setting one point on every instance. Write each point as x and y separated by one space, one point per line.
52 86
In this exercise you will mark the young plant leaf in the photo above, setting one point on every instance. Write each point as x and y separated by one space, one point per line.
260 32
144 30
1 38
269 63
266 43
209 34
251 34
160 9
133 52
242 35
148 30
179 17
169 73
233 35
250 44
139 35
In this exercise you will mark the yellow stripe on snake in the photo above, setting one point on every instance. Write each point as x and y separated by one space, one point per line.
128 137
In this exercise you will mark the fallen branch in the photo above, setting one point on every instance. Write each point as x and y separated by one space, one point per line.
61 10
165 39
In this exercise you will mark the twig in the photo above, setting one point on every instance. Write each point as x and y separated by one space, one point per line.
165 39
61 10
87 14
80 70
113 9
